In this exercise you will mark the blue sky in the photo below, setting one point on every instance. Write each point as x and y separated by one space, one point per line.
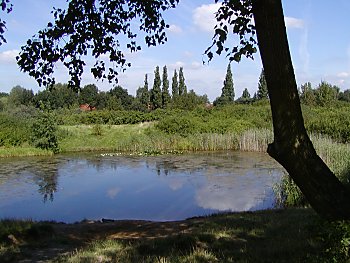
317 30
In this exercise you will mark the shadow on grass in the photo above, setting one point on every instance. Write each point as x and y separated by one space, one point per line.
264 236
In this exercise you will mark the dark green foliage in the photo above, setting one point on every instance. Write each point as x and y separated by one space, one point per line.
13 130
307 95
23 229
143 95
181 124
165 88
245 94
189 101
228 119
334 123
110 117
114 103
227 93
288 193
245 98
326 94
122 96
20 96
88 95
228 89
175 86
44 132
345 95
3 94
95 27
262 87
182 85
60 96
156 93
336 239
237 15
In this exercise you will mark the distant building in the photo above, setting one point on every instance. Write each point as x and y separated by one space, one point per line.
86 107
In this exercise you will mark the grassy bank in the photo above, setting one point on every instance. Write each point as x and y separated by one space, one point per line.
292 235
140 138
21 151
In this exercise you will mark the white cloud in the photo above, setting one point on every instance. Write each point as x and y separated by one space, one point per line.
204 17
175 29
112 193
8 56
292 22
196 65
343 74
177 65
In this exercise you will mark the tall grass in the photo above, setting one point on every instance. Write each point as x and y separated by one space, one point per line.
336 155
145 138
21 151
255 140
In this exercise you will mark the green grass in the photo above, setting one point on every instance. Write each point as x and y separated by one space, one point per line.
268 236
139 138
290 235
22 151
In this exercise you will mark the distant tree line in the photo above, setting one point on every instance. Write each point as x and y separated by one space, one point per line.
162 95
117 98
325 94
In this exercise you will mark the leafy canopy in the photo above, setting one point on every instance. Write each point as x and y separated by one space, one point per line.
91 27
234 16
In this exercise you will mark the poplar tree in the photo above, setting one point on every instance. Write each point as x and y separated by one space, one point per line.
245 94
262 87
182 85
228 93
142 93
156 92
165 88
175 86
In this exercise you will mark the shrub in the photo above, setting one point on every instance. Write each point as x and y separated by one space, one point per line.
13 130
44 132
336 237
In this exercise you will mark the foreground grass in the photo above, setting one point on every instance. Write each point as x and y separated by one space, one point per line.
265 236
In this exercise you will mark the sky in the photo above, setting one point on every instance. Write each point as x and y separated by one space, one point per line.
318 35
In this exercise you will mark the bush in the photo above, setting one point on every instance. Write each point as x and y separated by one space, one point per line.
288 193
44 132
13 130
336 237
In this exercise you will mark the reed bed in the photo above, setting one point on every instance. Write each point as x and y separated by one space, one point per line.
336 155
255 140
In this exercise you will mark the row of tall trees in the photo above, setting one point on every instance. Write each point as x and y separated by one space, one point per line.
228 93
159 96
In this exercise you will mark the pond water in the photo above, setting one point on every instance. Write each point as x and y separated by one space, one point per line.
69 188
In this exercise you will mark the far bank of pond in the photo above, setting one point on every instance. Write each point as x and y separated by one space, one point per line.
71 188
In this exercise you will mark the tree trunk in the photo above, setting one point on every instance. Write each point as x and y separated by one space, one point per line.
292 147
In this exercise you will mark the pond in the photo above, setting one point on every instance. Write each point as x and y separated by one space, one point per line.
70 188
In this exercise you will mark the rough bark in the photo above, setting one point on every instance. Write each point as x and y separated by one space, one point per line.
292 147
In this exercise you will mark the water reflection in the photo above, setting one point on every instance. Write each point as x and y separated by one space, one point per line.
42 171
165 187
